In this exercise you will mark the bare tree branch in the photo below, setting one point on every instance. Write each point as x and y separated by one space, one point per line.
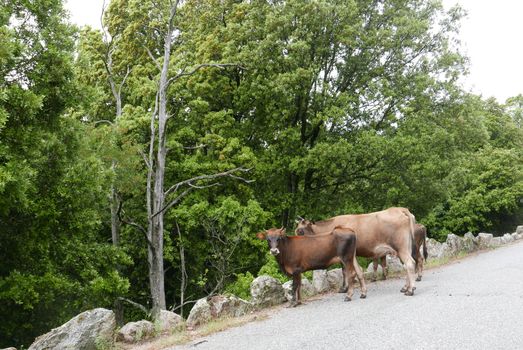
132 223
135 304
150 54
183 304
209 177
173 202
104 121
205 186
189 183
144 156
123 81
184 277
194 147
102 20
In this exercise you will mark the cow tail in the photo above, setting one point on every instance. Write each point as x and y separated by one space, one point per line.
425 254
412 220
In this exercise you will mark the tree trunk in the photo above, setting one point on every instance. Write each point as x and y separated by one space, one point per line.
155 251
115 235
114 201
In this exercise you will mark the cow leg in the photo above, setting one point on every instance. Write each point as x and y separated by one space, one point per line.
409 263
375 269
348 275
419 267
353 271
361 278
345 285
384 266
296 289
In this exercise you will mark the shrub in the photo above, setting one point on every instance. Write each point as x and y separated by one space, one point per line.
242 286
272 269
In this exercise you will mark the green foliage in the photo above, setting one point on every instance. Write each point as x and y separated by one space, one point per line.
242 286
272 269
484 189
335 107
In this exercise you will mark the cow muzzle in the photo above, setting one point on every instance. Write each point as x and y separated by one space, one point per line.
275 251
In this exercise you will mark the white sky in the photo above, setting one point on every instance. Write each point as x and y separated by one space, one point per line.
491 37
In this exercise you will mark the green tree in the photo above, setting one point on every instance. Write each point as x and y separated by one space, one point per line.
484 186
55 260
324 87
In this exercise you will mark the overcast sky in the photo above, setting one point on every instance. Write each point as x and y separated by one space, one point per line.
491 37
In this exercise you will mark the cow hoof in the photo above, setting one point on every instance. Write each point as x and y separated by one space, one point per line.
347 299
363 296
418 278
409 293
343 290
403 290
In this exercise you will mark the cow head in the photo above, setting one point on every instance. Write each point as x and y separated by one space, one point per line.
273 237
304 227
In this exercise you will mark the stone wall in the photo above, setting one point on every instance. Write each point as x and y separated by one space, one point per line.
97 328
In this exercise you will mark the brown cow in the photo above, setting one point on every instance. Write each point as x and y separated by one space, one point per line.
420 237
296 254
380 233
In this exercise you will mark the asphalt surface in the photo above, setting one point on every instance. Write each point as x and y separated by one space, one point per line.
474 303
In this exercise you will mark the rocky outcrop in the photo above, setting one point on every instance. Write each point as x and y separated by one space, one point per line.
394 264
496 241
507 238
87 331
307 289
136 331
519 230
435 249
200 313
207 309
470 243
379 269
484 240
454 244
320 282
335 279
324 281
168 321
229 306
267 291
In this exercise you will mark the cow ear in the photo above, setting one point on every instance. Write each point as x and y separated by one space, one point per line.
282 231
261 235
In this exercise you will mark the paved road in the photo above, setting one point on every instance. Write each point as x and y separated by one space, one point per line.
476 303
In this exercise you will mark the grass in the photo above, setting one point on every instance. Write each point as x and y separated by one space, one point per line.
186 335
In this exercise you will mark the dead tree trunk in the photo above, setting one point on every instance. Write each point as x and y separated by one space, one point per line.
113 196
156 173
156 161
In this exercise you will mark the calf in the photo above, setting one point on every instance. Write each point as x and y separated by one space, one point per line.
420 237
297 254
